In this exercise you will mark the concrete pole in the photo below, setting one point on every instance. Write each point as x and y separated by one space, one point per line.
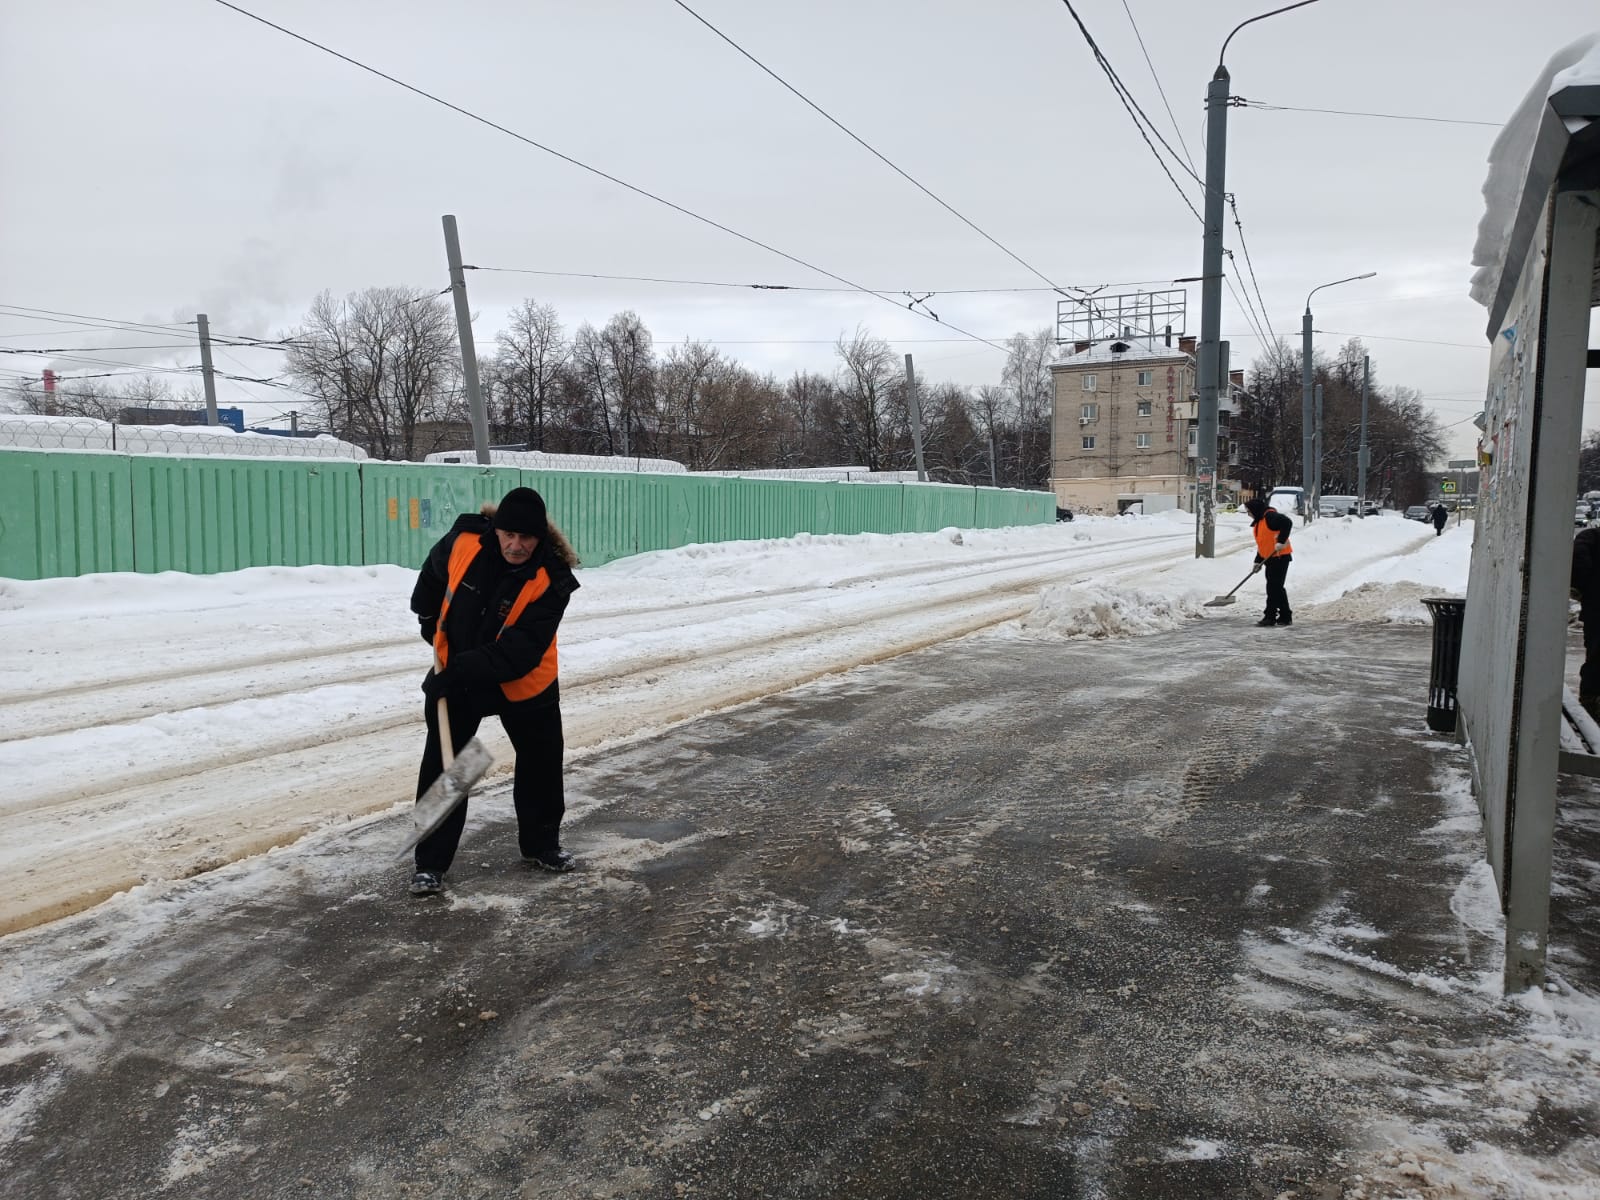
1205 451
1307 417
915 407
207 376
1361 454
469 355
1316 452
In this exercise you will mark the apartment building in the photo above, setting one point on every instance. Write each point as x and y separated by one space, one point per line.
1123 424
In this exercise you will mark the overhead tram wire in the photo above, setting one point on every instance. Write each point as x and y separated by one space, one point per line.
634 188
873 150
801 287
1138 116
1243 245
1189 158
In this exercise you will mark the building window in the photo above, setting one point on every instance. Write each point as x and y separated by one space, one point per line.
1088 442
1144 408
1141 441
1089 412
1192 437
1089 382
1146 378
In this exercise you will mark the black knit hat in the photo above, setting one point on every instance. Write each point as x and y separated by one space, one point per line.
522 511
1255 506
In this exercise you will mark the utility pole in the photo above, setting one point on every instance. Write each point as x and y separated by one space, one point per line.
1205 452
294 421
1316 451
1308 417
915 406
1361 454
206 374
469 355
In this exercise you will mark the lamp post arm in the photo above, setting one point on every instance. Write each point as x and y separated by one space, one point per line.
1224 51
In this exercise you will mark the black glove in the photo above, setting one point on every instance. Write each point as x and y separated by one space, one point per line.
430 626
438 684
1259 560
471 669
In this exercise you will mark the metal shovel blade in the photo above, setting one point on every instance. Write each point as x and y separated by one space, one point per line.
447 791
1220 601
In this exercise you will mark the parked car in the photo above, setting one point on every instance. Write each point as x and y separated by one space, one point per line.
1584 515
1063 514
1336 506
1290 500
1371 508
1419 512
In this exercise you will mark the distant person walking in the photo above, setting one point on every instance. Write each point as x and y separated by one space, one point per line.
1272 529
1586 587
490 597
1441 514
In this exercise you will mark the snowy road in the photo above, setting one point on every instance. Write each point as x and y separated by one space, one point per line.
159 726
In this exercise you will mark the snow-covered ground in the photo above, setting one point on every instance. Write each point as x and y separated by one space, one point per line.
158 726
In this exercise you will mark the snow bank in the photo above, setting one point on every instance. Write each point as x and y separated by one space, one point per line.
1094 610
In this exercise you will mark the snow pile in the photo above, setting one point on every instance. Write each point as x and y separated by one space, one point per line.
1092 610
1392 603
1511 159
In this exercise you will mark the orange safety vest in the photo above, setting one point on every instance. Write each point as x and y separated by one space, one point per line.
542 676
1267 539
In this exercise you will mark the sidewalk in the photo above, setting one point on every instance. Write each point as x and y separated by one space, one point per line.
1199 914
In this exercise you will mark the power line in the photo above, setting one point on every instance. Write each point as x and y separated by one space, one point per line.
1136 113
801 287
639 191
1243 245
1241 102
1159 88
870 149
24 312
1379 337
69 349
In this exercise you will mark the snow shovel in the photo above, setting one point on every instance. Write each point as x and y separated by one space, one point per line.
454 782
1220 601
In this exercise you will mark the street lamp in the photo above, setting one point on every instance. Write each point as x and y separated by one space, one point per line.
1308 430
1209 366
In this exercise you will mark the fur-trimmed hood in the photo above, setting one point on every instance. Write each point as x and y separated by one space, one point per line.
559 545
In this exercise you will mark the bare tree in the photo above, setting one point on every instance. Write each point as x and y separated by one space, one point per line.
1027 374
867 374
384 367
532 356
992 409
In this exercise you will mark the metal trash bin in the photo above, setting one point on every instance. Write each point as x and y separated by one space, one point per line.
1448 616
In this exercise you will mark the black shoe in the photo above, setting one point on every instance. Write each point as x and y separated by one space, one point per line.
1285 620
1267 622
555 859
426 883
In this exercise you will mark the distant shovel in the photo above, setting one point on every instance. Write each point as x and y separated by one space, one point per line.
1223 601
454 782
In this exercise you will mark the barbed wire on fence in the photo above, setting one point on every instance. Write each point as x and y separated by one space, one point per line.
29 432
538 460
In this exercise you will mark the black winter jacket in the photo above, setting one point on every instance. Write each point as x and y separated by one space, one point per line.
482 656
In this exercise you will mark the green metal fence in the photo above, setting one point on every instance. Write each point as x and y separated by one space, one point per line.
64 514
205 515
70 514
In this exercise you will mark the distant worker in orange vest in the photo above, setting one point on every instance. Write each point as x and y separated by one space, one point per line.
1271 529
490 597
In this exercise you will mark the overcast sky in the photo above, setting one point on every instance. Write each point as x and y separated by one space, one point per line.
172 157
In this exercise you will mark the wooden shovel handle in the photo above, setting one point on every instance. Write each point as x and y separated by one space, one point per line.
445 748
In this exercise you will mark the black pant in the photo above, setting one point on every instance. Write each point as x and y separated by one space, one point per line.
534 727
1277 598
1589 673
